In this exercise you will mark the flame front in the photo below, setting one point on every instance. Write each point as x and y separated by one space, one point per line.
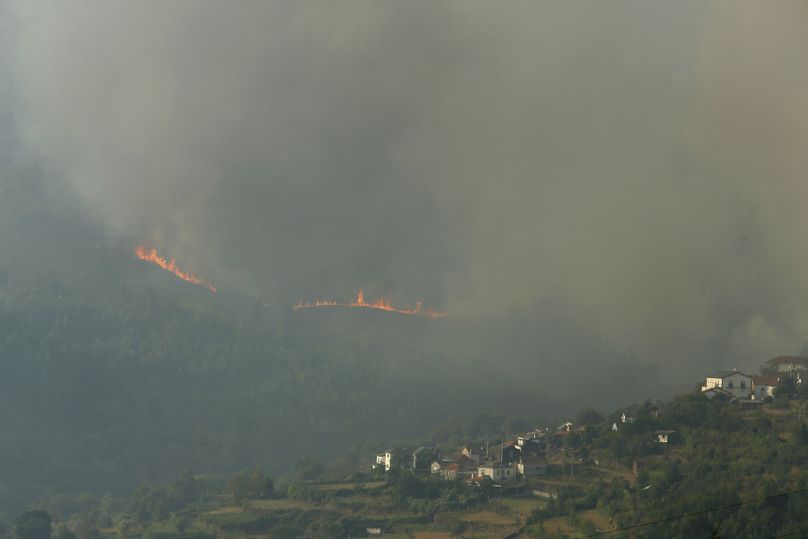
379 304
151 255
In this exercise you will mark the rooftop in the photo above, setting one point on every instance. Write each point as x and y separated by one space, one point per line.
724 374
788 360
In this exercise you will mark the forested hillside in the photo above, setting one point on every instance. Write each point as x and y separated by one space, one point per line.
114 373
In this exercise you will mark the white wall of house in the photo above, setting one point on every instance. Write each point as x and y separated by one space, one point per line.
497 472
762 391
737 383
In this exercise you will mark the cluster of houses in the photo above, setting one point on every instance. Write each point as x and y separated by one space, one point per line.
736 385
523 457
527 455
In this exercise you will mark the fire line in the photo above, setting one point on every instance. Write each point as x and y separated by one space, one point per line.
379 304
151 255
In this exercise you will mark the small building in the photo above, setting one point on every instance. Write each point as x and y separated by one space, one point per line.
763 387
506 452
472 453
373 530
498 471
439 465
665 436
529 446
531 466
390 460
534 436
449 472
734 381
565 427
453 467
626 417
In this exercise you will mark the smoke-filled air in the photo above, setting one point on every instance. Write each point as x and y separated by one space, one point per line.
575 201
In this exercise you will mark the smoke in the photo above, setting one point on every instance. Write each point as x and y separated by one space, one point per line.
637 167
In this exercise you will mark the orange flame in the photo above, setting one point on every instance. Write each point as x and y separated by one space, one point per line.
379 304
150 255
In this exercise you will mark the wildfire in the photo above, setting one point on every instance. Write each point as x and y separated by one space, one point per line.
150 255
379 304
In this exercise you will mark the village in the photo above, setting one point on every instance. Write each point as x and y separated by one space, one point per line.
531 454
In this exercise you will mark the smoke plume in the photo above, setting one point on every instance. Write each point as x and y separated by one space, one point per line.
637 167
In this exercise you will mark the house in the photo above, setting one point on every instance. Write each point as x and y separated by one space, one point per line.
438 466
373 530
506 452
665 436
614 426
734 381
530 466
789 364
498 471
390 460
627 418
453 467
532 447
470 452
533 436
763 387
380 459
449 472
565 427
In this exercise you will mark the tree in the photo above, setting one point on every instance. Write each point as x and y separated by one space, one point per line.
35 524
589 416
63 532
308 468
186 488
261 486
786 387
238 488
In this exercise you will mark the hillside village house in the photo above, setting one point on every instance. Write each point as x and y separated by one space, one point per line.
734 381
789 364
665 436
763 387
454 466
390 459
470 452
498 471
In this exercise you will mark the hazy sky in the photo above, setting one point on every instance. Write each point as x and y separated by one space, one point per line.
640 166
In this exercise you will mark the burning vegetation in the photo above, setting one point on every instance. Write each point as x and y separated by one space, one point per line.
150 254
379 304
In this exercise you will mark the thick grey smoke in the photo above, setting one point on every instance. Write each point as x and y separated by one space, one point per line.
638 166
